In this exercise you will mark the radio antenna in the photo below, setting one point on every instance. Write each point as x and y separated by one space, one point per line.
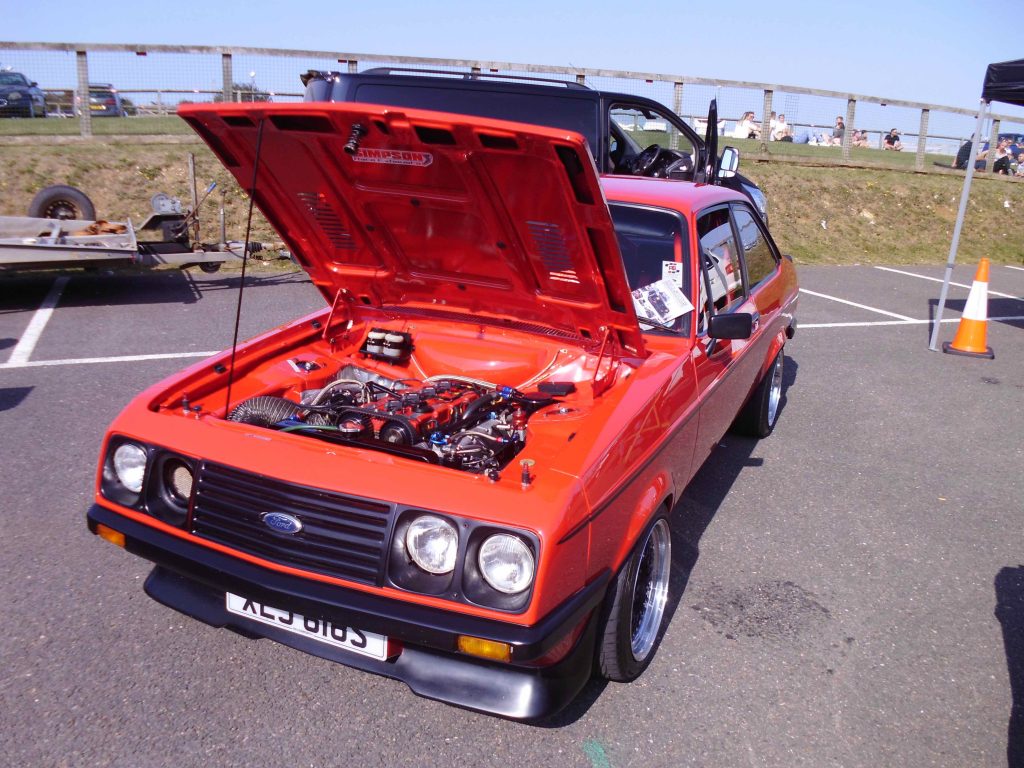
245 261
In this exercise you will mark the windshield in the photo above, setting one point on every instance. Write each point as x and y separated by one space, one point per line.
12 78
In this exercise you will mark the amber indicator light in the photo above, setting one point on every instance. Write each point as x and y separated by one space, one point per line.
114 537
485 649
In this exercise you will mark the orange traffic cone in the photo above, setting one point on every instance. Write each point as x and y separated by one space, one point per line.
970 336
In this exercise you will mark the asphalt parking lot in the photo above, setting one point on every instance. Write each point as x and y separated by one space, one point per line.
848 592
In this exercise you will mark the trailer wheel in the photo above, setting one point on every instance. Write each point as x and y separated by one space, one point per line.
60 201
209 267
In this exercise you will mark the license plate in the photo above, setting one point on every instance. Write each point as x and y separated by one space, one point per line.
339 636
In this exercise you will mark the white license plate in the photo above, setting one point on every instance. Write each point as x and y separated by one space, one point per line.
348 638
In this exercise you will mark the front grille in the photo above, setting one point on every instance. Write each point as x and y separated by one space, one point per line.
343 536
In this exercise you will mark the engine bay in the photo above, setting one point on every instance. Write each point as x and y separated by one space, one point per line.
449 420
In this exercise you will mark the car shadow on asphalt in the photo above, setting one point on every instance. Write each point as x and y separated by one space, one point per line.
690 518
1009 585
12 397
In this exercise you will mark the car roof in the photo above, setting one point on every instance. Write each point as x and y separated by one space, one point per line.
683 196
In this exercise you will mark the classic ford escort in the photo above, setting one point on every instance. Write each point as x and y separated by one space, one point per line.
460 472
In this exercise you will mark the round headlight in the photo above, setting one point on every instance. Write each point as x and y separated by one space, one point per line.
13 95
130 466
433 544
506 563
178 479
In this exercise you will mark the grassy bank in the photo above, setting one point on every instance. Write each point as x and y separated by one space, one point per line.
820 214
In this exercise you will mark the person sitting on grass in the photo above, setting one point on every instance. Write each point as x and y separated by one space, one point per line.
1020 165
781 129
860 139
838 132
892 141
746 128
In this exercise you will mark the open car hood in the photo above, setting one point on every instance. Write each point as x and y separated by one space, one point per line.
435 212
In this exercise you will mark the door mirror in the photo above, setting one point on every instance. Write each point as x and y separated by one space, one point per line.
735 325
729 163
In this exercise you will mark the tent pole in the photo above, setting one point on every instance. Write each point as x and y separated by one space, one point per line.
976 142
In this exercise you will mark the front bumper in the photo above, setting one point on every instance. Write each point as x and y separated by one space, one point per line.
193 579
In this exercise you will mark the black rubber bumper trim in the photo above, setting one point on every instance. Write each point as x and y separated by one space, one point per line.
192 579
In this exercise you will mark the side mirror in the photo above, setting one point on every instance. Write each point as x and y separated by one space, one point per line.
735 325
729 163
33 84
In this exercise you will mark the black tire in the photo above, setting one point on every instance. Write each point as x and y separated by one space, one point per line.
60 201
634 610
209 267
761 412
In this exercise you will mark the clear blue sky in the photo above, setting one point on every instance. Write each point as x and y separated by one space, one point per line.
933 52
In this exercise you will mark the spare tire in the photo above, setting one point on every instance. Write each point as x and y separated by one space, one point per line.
60 201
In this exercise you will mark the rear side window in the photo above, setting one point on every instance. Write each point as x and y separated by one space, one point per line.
758 255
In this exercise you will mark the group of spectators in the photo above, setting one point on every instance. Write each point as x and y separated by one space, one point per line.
1009 159
779 130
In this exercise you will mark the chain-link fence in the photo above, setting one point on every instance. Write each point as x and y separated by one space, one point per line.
86 90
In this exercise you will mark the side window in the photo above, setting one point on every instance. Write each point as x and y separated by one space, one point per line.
656 257
642 127
758 255
721 262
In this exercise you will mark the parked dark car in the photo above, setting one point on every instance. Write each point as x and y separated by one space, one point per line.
627 134
20 97
105 101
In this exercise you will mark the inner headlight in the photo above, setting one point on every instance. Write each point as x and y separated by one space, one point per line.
130 466
433 544
13 95
179 480
506 563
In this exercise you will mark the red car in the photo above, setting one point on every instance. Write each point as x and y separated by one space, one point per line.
460 472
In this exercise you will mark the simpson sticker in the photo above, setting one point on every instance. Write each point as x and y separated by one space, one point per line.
393 157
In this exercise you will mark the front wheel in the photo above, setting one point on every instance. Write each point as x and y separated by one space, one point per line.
761 411
632 621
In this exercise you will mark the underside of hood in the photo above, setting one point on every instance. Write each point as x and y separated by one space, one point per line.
435 212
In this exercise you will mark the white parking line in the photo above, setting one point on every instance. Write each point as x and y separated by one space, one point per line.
23 349
1010 266
869 323
939 280
855 304
93 360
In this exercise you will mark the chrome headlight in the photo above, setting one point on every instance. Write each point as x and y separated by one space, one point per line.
130 466
432 543
506 563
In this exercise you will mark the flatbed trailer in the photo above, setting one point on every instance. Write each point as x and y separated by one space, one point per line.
28 242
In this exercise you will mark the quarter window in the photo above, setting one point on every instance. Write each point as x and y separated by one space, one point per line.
757 253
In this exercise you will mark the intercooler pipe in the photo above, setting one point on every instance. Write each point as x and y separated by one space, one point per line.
264 410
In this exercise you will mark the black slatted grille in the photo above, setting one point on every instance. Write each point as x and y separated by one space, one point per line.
328 220
341 536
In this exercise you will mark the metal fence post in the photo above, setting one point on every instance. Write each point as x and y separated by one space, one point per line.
228 77
851 114
922 140
993 142
766 117
85 117
677 98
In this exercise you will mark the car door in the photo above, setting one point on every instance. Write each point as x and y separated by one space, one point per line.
724 370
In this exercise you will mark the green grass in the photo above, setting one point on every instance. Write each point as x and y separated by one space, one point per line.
101 126
870 215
